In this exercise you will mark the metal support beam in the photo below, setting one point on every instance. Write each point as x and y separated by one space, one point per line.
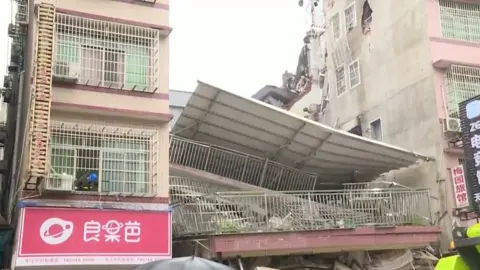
264 172
301 162
274 155
205 114
186 128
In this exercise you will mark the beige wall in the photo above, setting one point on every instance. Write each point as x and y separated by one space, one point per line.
118 11
163 139
149 111
149 105
115 9
397 86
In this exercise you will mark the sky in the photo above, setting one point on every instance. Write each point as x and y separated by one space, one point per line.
237 45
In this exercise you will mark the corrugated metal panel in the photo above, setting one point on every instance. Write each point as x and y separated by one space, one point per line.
218 117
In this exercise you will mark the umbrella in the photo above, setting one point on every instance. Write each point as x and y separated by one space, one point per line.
184 263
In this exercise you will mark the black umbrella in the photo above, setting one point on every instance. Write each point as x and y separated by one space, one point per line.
184 263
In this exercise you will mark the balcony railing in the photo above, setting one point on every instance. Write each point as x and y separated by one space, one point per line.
197 213
238 166
461 83
106 54
460 21
124 159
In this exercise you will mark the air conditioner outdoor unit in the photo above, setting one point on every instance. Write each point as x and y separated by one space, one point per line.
59 182
452 125
66 71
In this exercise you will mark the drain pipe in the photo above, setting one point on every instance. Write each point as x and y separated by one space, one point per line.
23 106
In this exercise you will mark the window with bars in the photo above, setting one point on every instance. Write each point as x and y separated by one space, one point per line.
340 80
350 17
460 20
354 72
106 54
124 159
461 83
336 29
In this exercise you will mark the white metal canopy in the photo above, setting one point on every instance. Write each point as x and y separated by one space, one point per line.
215 116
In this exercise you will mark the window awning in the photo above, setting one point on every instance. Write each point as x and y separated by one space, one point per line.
216 116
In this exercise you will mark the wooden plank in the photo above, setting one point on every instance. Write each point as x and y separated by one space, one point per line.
41 105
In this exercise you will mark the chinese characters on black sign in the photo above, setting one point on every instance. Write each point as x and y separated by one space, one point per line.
470 118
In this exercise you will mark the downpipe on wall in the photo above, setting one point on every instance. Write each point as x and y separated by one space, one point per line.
23 107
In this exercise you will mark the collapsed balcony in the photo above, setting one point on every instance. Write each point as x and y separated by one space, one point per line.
206 210
106 54
238 166
123 159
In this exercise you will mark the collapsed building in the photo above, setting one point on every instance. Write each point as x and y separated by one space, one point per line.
249 182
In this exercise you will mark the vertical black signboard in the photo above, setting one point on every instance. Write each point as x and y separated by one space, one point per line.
470 119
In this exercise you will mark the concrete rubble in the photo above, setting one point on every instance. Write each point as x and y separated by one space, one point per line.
379 260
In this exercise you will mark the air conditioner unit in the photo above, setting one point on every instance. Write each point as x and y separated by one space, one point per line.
59 182
452 125
66 71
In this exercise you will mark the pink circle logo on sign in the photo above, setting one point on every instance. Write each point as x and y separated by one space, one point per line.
55 231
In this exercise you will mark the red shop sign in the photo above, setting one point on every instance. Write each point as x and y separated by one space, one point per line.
73 236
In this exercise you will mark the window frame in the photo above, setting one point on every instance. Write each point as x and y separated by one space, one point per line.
102 150
339 26
354 17
379 120
358 73
455 22
141 53
344 80
104 50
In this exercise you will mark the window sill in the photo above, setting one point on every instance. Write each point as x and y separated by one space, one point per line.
96 193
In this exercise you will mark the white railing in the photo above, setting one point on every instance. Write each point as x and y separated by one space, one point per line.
461 83
106 54
124 159
460 21
200 211
238 166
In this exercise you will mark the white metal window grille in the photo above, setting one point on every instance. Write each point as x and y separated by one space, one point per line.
342 54
125 159
460 21
350 17
336 29
354 72
341 80
461 83
107 54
